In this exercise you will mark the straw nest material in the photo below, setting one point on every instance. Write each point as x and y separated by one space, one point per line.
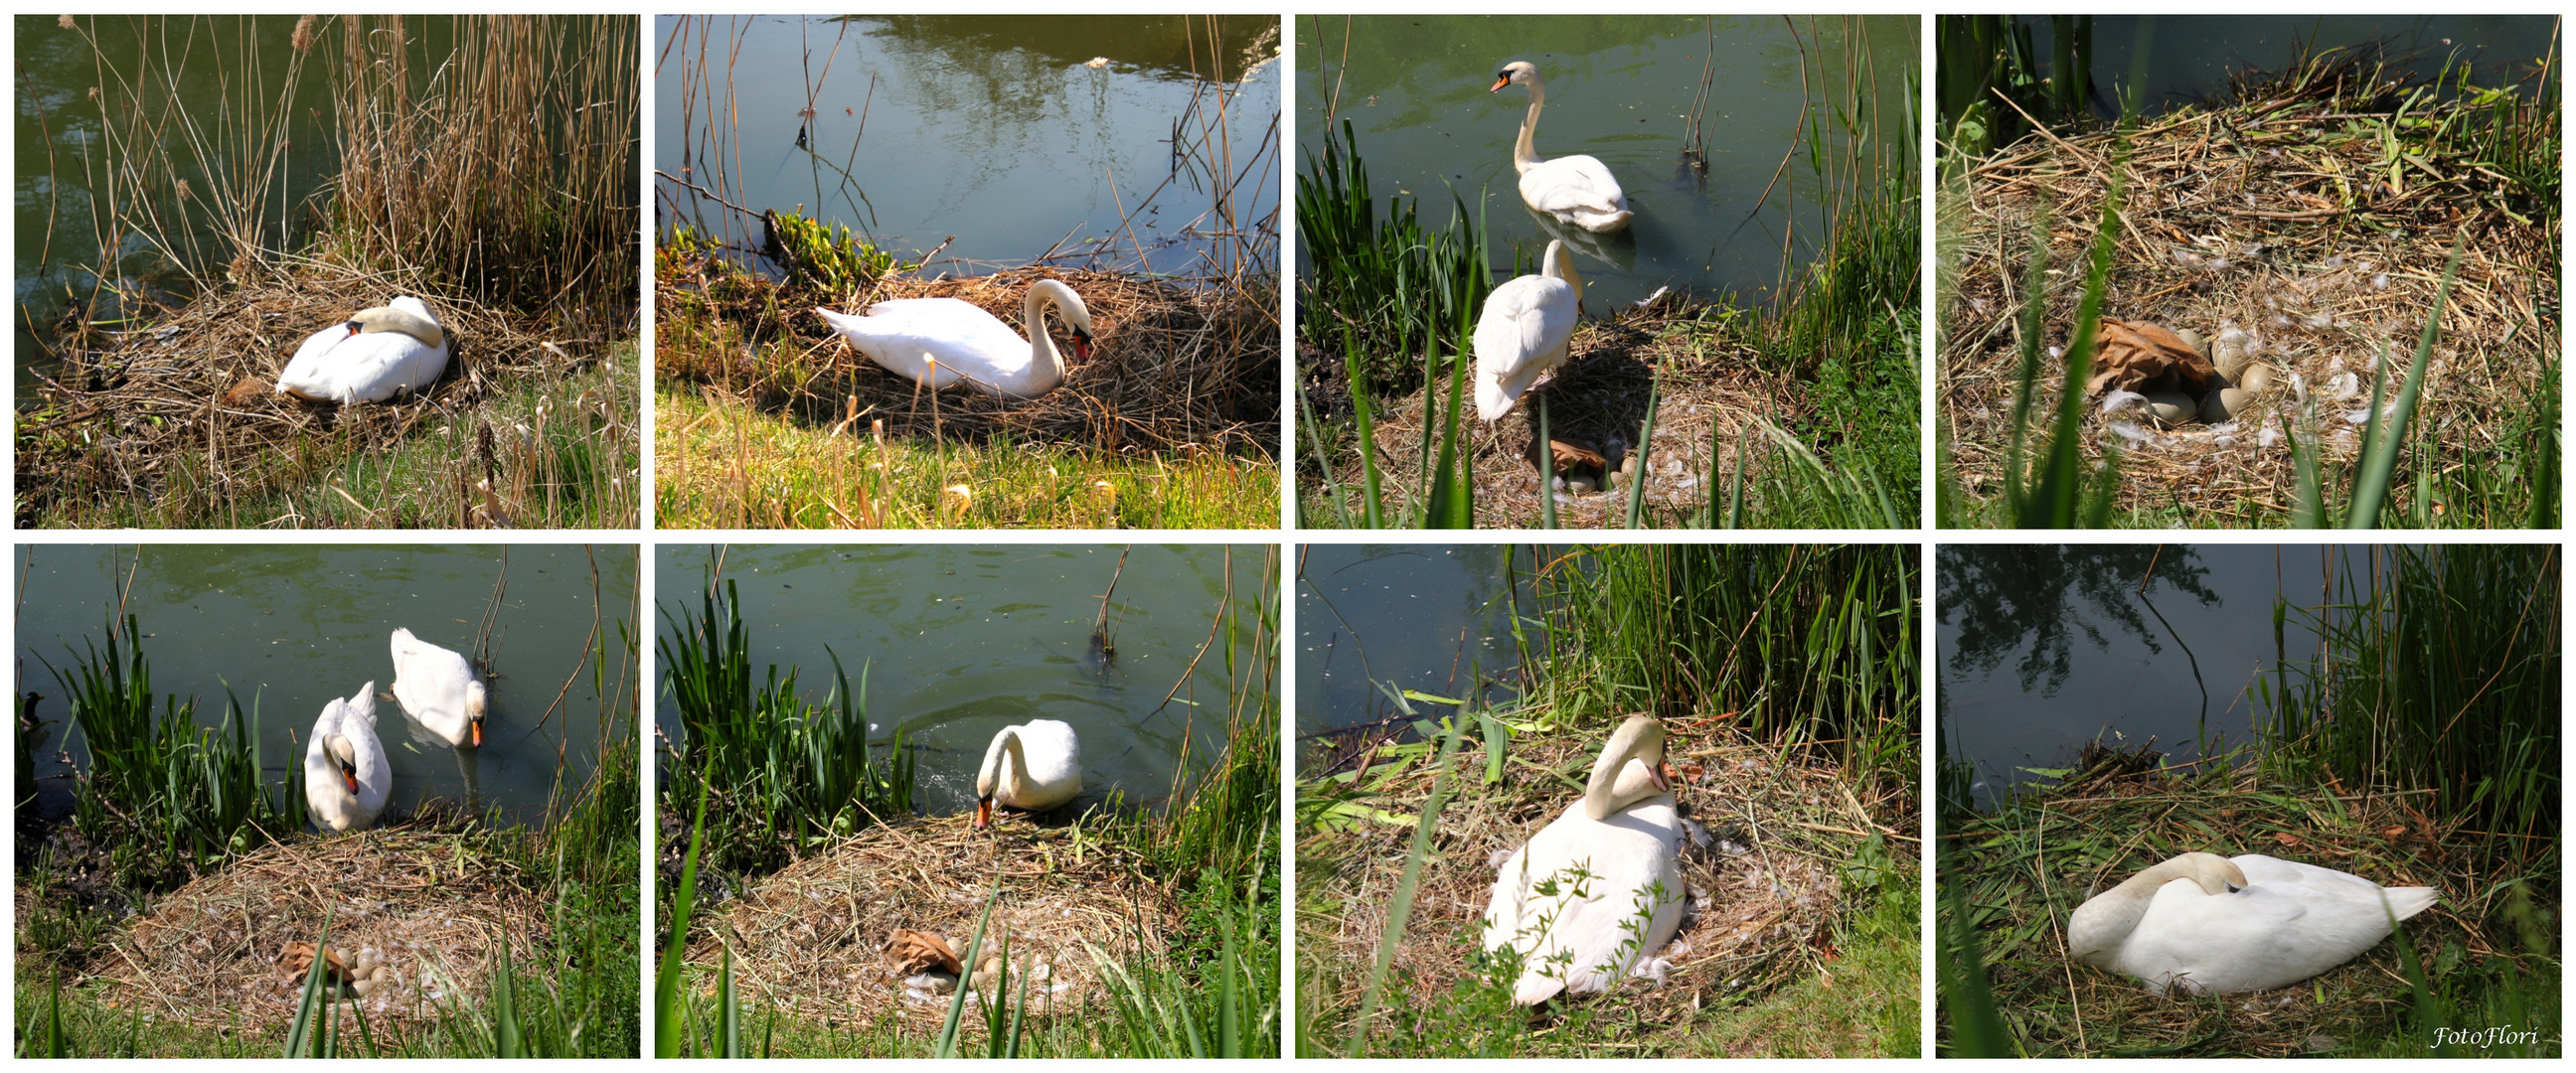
428 904
1710 386
1172 367
1763 892
2281 218
2023 869
125 411
816 939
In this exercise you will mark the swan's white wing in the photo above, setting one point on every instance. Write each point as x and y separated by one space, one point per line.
906 334
1054 757
2291 922
1521 334
430 682
337 365
1595 896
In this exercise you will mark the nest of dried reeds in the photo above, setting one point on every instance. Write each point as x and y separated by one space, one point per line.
1173 367
1763 893
811 939
2025 868
1712 393
2279 216
432 905
188 406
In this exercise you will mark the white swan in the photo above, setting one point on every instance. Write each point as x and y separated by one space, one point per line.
1625 837
1524 330
1576 189
2205 923
438 688
346 779
370 357
1033 766
940 341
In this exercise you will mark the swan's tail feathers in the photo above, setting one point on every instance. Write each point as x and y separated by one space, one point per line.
2404 902
1603 223
1492 402
1534 989
844 324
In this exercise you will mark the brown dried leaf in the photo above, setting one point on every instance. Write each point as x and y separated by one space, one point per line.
921 951
2134 355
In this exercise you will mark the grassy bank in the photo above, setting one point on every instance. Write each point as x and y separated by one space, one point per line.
149 913
1791 415
2394 305
483 164
2419 747
1147 932
1787 676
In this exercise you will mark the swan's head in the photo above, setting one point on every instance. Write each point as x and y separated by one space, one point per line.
474 708
2215 874
344 758
1521 71
990 778
1630 769
1077 316
406 315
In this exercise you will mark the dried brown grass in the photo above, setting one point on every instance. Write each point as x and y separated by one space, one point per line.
430 903
2276 217
184 414
1757 918
810 939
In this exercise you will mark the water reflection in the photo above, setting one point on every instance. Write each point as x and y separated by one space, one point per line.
1374 617
2047 647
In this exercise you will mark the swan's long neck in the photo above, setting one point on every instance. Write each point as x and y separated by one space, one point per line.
1560 264
1525 151
1006 764
1046 367
1627 770
2105 920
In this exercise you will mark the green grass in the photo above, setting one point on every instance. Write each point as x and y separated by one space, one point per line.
722 462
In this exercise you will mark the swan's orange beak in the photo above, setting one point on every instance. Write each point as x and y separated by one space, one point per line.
1499 82
478 733
983 813
1661 775
1082 344
349 776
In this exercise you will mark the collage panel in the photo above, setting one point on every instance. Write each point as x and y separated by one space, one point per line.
2240 800
2249 271
286 272
966 271
307 799
968 800
1687 297
1632 801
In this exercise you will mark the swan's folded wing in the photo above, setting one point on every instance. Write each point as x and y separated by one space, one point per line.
1563 186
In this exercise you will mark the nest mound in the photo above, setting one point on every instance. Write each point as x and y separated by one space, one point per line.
812 937
432 905
195 391
2280 217
1172 367
1762 899
1712 392
2023 869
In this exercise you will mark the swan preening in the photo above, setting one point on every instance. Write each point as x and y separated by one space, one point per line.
1524 330
346 779
1624 838
1576 189
438 688
374 355
2202 923
940 341
1033 766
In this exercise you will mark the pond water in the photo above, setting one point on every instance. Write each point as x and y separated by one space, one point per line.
1621 89
2191 56
290 627
2044 648
997 130
1410 616
959 641
61 140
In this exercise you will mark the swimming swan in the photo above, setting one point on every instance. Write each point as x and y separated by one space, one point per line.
1576 189
940 341
1626 835
346 779
1034 766
374 355
439 689
2205 923
1524 330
